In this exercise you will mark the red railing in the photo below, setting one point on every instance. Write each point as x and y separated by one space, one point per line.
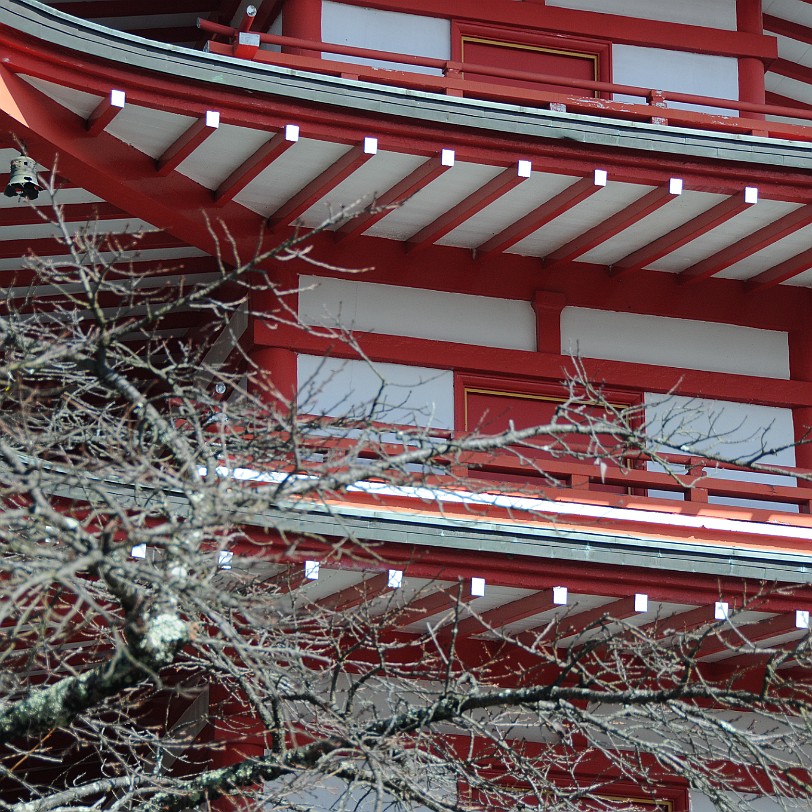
241 42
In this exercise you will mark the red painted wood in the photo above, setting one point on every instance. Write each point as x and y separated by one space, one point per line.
355 595
547 367
104 113
702 224
629 216
443 600
787 28
751 69
48 247
251 168
547 305
302 19
763 238
394 196
184 146
540 216
70 212
794 266
749 633
506 614
579 622
467 208
320 186
792 70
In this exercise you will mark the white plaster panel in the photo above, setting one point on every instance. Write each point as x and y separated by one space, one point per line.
77 101
435 315
711 13
683 343
680 71
148 130
390 393
730 430
390 31
787 248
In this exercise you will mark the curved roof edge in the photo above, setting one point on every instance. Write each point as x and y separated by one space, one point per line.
65 32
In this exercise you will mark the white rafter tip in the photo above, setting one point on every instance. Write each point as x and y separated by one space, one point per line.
560 596
447 157
641 602
721 610
524 169
371 146
139 551
395 579
117 98
212 118
801 618
675 186
601 177
477 587
750 194
291 132
225 559
311 570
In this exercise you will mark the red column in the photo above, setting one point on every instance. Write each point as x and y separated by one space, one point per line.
751 70
274 378
302 19
548 306
800 369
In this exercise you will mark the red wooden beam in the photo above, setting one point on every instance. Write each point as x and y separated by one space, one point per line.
352 596
126 8
786 28
268 11
51 247
576 623
747 633
783 101
280 143
792 70
794 266
188 142
439 601
702 224
105 112
509 613
70 213
297 205
474 203
629 216
398 194
540 216
763 238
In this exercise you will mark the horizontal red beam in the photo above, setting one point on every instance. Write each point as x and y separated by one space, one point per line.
49 247
69 212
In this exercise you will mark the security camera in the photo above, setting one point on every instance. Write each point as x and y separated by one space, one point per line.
23 180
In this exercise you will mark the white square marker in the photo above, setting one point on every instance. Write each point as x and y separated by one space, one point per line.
291 132
675 186
370 146
560 596
117 98
641 602
447 157
801 618
750 194
721 610
477 587
224 559
395 579
139 551
524 169
311 570
601 177
212 119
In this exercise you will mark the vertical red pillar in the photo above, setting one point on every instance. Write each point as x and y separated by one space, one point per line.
751 70
274 378
548 306
302 19
800 369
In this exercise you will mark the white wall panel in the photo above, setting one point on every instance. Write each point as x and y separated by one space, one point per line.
385 31
733 431
393 310
393 393
711 13
680 71
674 342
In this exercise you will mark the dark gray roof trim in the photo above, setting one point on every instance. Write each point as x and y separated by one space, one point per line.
41 22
